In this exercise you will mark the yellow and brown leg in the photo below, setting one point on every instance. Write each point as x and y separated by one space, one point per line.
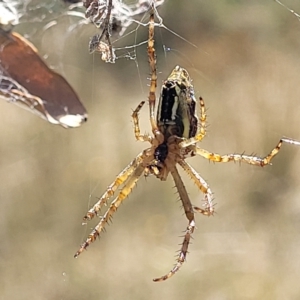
250 159
137 131
204 188
201 132
202 119
125 191
121 179
189 212
153 80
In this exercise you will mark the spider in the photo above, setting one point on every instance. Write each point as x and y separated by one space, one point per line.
176 131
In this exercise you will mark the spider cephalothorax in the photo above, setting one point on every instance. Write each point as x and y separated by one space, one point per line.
176 132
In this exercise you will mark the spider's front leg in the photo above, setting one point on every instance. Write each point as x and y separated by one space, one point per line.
188 209
203 186
125 191
250 159
121 178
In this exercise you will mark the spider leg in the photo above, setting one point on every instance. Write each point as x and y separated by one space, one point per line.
137 131
189 212
121 178
153 80
203 186
249 159
125 191
201 132
202 118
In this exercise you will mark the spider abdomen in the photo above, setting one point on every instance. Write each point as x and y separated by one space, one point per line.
176 113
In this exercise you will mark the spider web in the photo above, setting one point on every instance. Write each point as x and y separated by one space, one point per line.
246 68
129 44
121 33
297 15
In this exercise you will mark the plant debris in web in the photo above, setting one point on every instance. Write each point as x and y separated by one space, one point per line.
112 17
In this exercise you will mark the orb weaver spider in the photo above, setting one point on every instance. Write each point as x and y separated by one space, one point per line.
176 132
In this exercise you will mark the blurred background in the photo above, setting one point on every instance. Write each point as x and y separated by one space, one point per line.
245 64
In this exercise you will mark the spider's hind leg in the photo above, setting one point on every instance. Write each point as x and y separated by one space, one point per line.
137 131
153 79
